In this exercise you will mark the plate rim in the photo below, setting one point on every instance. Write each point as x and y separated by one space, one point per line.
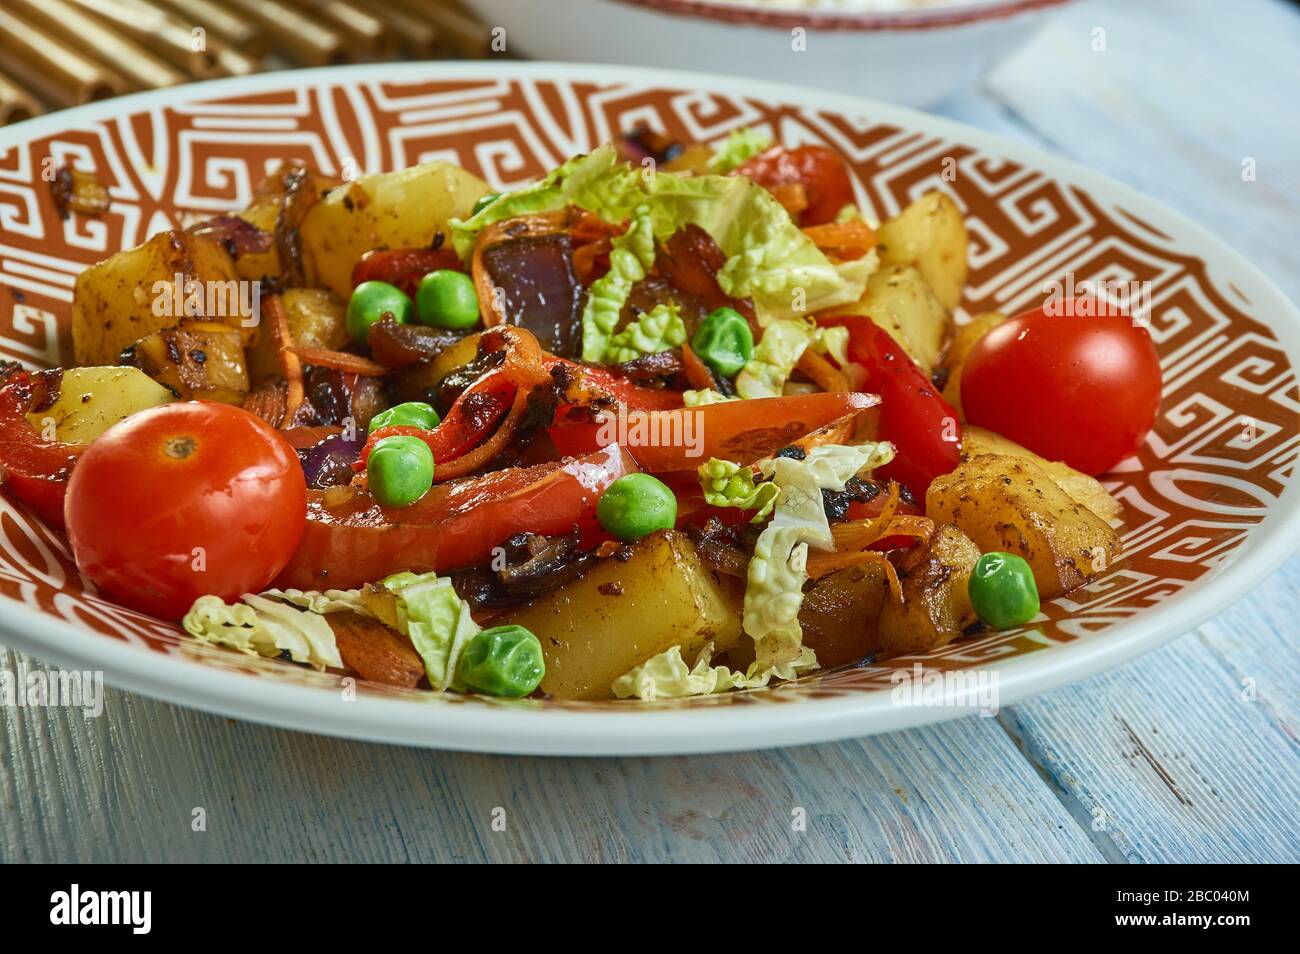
518 729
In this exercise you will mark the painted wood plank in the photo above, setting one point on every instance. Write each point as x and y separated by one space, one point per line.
124 788
1183 93
1258 642
1165 760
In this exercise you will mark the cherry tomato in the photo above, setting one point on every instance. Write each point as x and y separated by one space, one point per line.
1077 387
183 500
350 540
821 172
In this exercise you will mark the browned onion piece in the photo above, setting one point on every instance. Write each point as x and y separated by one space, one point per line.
399 346
237 236
538 289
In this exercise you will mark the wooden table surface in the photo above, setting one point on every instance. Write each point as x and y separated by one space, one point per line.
1189 754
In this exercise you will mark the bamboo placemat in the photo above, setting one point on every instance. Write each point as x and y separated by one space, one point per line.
58 53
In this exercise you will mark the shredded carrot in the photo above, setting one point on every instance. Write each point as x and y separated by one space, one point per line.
822 373
697 373
341 361
845 241
290 365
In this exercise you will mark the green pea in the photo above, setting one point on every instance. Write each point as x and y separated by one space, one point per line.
484 202
447 299
502 661
635 506
1002 590
410 414
724 341
373 301
400 470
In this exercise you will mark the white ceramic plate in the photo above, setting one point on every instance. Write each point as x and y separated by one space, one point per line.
1208 514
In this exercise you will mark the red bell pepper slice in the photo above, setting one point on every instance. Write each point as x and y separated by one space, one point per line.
821 172
33 470
920 424
467 424
350 540
684 438
404 267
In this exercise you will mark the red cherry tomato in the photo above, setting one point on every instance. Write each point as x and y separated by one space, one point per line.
183 500
1071 386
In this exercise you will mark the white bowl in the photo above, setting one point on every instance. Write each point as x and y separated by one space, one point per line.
1207 516
914 57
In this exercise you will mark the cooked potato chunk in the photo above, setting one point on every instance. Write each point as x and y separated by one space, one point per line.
91 400
1082 488
963 340
898 299
1012 504
201 361
839 614
930 234
936 606
622 612
400 209
316 318
116 302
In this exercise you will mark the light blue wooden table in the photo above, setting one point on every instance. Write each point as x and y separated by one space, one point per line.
1189 754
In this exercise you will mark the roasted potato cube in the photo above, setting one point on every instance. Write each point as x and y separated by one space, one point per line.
936 606
898 299
255 266
1012 504
91 400
621 612
402 209
930 234
840 612
201 361
316 318
963 340
132 294
1081 487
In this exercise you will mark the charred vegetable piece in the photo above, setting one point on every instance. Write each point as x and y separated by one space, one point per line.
133 294
503 661
201 361
1011 504
936 605
538 289
33 468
